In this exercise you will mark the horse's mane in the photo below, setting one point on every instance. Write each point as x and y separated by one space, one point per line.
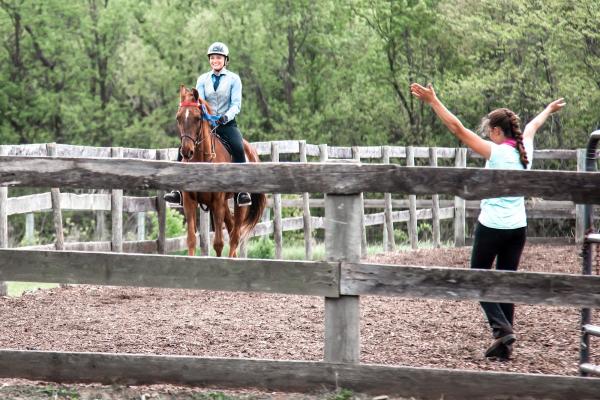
205 103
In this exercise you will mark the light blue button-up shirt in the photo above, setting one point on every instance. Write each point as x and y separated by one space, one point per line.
227 99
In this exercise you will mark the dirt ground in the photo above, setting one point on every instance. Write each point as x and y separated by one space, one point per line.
394 331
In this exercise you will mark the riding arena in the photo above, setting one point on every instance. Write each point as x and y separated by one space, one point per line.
402 323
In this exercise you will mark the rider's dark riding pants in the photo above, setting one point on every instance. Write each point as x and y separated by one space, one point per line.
505 245
232 139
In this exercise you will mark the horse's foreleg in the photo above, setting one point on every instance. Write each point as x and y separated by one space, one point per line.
189 209
218 216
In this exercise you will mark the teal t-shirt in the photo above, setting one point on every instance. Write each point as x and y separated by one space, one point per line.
505 212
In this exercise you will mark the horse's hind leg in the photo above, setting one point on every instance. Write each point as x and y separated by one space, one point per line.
189 209
234 236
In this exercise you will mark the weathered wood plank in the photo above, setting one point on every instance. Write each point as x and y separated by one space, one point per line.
73 201
363 228
67 150
291 376
306 219
538 204
72 246
459 204
435 203
284 146
292 277
339 152
116 207
404 216
470 284
413 234
161 210
3 220
340 178
388 233
263 148
277 216
56 208
38 149
139 204
343 221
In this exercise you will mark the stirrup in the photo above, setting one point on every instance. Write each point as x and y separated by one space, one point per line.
174 197
244 199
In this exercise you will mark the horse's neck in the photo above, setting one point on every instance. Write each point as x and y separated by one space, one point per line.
207 145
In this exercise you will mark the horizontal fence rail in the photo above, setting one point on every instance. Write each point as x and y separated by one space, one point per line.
288 277
299 277
298 376
264 149
468 183
469 284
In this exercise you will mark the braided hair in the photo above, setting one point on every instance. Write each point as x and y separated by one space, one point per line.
509 122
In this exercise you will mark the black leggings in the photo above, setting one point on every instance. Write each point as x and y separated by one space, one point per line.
232 140
506 246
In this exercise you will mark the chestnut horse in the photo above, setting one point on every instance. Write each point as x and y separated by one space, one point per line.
200 144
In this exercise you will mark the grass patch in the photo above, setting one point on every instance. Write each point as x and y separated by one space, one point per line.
16 289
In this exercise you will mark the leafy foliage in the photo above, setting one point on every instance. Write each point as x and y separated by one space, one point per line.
107 72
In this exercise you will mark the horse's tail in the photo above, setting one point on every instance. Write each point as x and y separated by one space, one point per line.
259 200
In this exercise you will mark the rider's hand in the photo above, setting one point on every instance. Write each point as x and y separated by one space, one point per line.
223 120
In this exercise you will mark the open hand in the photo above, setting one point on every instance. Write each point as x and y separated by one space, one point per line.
556 105
426 94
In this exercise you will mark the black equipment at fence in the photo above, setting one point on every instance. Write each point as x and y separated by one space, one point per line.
591 238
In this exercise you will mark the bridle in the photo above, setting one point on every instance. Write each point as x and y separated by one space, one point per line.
200 137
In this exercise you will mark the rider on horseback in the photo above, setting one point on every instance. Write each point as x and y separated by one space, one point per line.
222 89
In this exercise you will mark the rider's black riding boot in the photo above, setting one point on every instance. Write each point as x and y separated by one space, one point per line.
243 199
174 197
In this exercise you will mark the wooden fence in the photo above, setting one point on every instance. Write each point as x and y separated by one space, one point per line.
409 211
341 279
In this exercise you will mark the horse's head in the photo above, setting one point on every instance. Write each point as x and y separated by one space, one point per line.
189 121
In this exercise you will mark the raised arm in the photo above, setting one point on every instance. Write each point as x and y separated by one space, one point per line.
535 124
468 137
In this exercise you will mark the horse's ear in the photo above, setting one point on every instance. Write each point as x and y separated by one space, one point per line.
181 91
196 94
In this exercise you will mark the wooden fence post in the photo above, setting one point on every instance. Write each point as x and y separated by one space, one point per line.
3 220
116 210
100 232
323 153
363 227
435 204
388 223
277 223
413 233
308 247
161 211
204 229
29 228
459 203
579 214
141 226
342 315
243 248
56 210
